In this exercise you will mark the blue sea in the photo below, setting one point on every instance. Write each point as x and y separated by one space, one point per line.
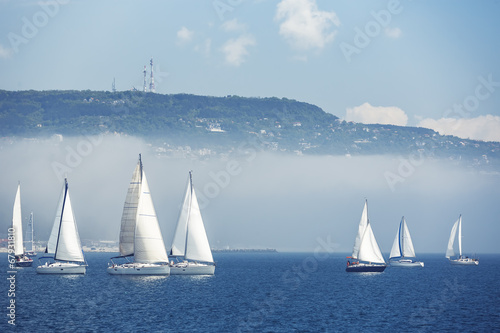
261 292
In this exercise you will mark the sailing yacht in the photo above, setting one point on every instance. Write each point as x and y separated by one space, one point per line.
64 241
366 253
190 244
402 249
140 234
460 260
31 253
22 260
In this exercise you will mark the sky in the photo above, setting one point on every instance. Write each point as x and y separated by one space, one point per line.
416 63
410 63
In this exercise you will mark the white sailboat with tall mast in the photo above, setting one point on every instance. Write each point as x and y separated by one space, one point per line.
402 250
22 260
64 241
450 252
190 244
140 234
366 253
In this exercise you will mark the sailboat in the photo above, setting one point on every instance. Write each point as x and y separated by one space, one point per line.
366 253
190 244
460 260
64 241
140 234
31 253
402 248
22 260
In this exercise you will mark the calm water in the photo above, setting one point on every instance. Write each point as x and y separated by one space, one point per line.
272 292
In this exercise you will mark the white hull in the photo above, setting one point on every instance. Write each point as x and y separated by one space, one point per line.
406 263
61 268
464 261
139 269
191 268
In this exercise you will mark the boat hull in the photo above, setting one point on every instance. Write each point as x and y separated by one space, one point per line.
360 268
139 269
406 263
61 268
464 261
24 263
192 268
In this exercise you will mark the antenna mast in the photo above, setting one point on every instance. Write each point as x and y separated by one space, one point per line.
152 82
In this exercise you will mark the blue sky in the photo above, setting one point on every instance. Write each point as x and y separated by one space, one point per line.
425 63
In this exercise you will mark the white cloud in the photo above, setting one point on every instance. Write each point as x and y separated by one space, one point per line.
235 50
393 32
369 114
233 25
5 52
185 35
304 26
486 128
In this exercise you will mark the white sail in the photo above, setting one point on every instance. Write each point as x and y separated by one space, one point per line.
68 242
407 244
179 241
361 230
129 215
396 250
403 245
460 235
51 244
197 247
17 224
149 246
369 250
449 251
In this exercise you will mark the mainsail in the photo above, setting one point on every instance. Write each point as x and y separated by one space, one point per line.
129 215
403 245
190 238
17 224
68 247
361 230
449 251
149 246
52 243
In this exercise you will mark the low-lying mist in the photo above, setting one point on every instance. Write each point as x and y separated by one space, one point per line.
257 200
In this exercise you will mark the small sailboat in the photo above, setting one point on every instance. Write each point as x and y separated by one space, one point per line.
190 244
366 253
402 249
32 251
22 260
460 260
140 234
64 241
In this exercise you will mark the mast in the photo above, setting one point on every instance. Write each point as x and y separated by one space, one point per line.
62 211
401 238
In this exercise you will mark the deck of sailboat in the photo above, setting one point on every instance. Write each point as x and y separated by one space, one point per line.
135 268
192 268
62 268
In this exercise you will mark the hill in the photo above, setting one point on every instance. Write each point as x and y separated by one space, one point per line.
222 123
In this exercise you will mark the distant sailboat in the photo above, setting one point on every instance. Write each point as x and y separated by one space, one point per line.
64 241
32 251
22 260
366 253
460 260
190 243
402 248
140 234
